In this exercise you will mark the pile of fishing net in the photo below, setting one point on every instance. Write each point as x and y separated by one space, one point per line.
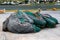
28 22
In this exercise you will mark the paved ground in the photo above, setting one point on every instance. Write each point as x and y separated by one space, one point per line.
45 34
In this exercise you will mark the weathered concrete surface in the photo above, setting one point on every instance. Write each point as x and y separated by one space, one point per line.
44 34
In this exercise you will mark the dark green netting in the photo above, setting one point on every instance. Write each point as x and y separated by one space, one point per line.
36 29
29 13
37 21
40 22
24 16
19 15
50 23
52 18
